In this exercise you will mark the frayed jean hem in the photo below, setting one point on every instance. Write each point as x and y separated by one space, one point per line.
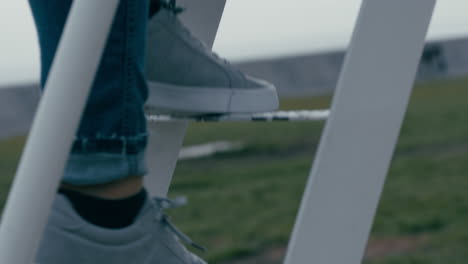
101 168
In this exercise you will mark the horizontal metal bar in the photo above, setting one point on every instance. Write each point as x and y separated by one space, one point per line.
301 115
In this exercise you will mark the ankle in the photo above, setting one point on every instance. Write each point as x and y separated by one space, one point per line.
114 190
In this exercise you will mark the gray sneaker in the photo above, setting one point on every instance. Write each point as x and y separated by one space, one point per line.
184 76
152 239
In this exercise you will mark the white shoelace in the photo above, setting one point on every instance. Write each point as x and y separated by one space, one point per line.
163 203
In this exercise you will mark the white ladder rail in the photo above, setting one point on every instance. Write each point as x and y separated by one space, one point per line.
357 145
54 129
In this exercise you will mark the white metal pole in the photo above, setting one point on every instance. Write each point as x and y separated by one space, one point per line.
167 137
357 146
166 140
53 130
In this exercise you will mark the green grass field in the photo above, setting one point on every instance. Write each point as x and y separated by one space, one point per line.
244 203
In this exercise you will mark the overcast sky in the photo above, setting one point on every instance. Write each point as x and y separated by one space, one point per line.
250 29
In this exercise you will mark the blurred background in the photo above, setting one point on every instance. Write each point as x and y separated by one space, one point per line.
255 173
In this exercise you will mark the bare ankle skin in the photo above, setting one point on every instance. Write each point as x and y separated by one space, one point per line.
115 190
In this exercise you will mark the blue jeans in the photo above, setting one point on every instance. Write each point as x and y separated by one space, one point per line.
112 137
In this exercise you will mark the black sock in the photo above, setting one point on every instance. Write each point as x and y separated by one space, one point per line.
155 5
106 213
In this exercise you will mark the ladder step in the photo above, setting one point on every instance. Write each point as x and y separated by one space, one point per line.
302 115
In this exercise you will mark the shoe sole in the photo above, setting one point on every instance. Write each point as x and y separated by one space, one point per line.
178 100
